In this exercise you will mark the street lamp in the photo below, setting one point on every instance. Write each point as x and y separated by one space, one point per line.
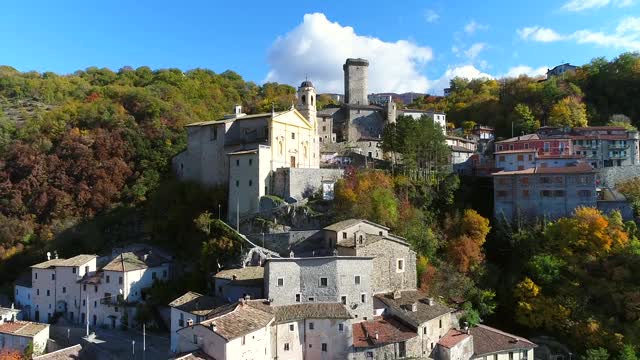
98 298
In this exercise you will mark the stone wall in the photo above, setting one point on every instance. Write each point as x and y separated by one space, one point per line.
282 243
611 176
621 205
301 183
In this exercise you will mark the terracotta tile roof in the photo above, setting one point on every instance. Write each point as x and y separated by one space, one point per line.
129 261
527 137
245 273
487 340
288 313
515 151
48 264
388 330
424 312
22 328
457 148
196 355
92 278
577 169
232 119
241 320
452 338
600 137
595 128
72 352
341 225
195 303
77 260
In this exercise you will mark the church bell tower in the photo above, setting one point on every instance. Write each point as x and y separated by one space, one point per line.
307 103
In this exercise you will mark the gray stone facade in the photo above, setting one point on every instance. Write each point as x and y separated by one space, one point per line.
540 192
299 183
356 81
611 176
327 279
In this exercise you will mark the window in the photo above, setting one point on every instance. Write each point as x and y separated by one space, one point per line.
95 304
557 179
237 162
340 327
357 279
73 270
164 274
323 282
369 354
530 157
53 276
344 235
547 147
244 340
545 180
511 147
584 193
499 147
250 182
501 158
324 347
520 157
120 280
545 193
291 327
424 330
363 298
95 288
501 194
510 355
520 167
84 302
504 181
38 292
286 346
250 162
64 290
400 265
524 180
558 193
86 269
311 327
311 299
35 276
237 183
195 339
293 136
324 128
343 299
440 323
48 292
115 308
108 279
297 297
153 275
280 281
525 194
181 320
526 146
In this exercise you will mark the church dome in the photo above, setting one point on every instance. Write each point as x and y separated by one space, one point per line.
306 83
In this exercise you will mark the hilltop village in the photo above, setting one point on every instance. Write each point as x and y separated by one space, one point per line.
303 285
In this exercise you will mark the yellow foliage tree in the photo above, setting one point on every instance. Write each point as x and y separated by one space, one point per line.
537 311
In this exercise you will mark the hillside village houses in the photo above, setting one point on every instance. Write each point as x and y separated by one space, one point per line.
80 291
279 153
553 171
360 302
18 335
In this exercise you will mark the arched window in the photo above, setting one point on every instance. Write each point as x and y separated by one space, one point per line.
304 98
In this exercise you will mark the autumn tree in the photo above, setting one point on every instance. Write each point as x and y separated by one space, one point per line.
570 112
466 235
524 120
367 195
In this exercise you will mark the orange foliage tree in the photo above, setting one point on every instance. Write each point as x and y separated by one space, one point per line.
467 234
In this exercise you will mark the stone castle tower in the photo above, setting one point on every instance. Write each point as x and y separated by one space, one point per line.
307 103
356 81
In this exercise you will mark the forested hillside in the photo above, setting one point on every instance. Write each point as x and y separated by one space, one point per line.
593 94
99 142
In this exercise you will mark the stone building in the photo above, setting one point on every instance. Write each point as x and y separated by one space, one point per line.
544 191
243 151
189 308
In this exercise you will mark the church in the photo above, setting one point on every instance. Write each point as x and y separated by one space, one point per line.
244 151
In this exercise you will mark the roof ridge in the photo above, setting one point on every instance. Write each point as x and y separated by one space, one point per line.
503 333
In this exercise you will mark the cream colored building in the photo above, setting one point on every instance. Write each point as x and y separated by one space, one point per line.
243 151
17 335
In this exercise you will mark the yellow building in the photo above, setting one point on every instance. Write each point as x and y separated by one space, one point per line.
243 151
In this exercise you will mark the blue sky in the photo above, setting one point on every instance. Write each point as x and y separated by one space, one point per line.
412 45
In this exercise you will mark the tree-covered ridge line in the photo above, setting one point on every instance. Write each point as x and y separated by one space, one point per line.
595 93
73 146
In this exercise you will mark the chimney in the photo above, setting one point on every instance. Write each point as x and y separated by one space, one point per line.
376 335
214 327
466 328
247 297
237 110
396 295
189 322
291 255
48 255
55 253
414 307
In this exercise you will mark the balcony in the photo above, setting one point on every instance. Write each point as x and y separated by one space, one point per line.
618 146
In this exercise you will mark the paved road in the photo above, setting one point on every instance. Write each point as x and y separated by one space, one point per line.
115 344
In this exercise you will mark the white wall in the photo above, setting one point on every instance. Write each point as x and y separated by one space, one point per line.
20 343
41 303
22 296
327 331
176 316
294 338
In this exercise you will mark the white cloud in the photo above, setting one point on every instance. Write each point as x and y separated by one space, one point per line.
626 35
540 34
582 5
465 71
516 71
431 16
318 48
473 26
475 50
